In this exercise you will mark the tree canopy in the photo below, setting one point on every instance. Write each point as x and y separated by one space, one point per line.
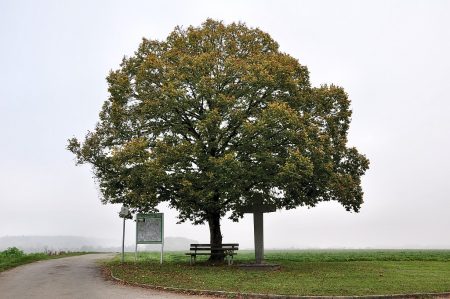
215 118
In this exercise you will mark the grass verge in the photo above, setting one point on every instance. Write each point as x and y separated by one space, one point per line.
13 257
346 272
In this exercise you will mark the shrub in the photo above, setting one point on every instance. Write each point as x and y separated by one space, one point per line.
13 252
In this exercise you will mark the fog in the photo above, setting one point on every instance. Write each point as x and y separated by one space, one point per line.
390 56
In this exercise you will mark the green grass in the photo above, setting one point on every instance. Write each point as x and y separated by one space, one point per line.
322 272
13 257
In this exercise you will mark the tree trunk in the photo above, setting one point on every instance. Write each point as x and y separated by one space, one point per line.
215 238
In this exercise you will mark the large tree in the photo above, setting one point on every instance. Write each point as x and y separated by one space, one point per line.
216 118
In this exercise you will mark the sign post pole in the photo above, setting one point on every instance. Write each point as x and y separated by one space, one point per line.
124 213
162 239
135 253
123 241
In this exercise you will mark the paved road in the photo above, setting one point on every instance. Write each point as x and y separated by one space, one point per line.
71 277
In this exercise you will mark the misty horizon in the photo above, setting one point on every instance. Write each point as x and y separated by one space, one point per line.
172 243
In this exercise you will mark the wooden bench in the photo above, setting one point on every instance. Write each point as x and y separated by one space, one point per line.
206 249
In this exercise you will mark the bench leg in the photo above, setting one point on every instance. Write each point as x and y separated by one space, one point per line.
190 262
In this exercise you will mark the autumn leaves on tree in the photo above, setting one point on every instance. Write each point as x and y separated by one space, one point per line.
215 118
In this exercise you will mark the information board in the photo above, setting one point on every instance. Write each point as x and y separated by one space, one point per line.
150 228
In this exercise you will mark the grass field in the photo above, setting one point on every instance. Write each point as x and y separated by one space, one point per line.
327 272
13 257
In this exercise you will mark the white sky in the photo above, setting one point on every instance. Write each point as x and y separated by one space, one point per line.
392 58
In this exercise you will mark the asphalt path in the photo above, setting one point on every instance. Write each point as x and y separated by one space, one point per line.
71 277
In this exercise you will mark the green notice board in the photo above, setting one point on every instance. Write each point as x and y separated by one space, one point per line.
150 228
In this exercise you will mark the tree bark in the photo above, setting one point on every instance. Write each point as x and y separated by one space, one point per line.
215 237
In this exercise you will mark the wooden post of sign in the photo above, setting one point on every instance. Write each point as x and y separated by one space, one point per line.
258 226
258 209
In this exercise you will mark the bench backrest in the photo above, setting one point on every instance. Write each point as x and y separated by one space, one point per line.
233 246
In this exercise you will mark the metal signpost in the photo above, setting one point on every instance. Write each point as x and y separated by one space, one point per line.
124 213
150 230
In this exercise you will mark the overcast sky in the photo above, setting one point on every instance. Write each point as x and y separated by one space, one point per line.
392 58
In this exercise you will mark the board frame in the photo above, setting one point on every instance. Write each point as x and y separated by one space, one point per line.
150 216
